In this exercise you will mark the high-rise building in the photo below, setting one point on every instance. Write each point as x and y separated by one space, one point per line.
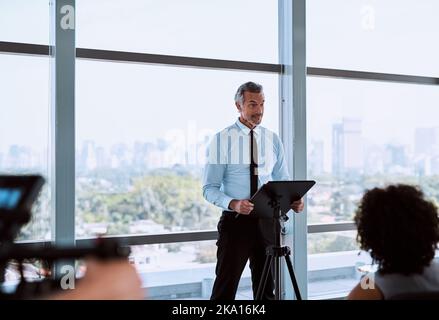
427 141
87 157
396 155
316 157
374 159
19 157
347 148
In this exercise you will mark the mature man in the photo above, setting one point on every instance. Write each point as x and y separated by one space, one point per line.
241 158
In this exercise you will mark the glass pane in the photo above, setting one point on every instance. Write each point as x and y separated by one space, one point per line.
184 270
24 129
332 242
363 134
24 21
335 264
244 30
142 132
390 36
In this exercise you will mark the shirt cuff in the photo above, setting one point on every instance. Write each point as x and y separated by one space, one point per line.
225 202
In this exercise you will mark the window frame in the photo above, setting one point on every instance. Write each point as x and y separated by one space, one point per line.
293 72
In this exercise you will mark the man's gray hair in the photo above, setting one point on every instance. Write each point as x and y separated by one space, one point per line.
248 86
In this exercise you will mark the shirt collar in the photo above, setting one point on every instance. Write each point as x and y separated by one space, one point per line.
246 129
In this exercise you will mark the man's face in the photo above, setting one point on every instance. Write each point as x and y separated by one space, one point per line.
252 109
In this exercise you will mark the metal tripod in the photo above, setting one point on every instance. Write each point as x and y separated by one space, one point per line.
274 254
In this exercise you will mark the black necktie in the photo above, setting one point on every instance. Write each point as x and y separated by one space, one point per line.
253 164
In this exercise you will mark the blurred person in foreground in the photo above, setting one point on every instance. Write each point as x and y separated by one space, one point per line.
400 230
105 280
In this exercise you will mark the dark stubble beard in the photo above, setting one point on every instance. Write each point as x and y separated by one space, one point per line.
257 119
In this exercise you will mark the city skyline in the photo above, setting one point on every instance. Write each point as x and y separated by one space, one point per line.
419 157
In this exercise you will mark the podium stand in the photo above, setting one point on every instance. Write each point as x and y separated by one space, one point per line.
272 201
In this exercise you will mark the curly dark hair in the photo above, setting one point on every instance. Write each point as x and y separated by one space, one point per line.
399 228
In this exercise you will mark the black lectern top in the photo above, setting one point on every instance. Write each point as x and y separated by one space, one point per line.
285 192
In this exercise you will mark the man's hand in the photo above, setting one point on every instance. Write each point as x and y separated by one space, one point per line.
241 206
297 206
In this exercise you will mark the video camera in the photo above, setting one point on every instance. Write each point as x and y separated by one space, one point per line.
17 196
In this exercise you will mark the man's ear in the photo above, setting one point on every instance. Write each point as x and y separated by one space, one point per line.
238 106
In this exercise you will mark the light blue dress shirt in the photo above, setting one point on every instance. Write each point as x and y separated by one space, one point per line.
227 171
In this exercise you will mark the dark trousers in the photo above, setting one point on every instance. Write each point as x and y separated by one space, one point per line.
241 239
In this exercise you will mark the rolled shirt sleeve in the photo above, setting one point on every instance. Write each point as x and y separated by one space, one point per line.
213 176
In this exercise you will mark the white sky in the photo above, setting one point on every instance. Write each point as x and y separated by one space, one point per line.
132 102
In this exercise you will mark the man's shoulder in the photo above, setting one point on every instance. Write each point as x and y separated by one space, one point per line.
217 139
266 130
231 129
270 135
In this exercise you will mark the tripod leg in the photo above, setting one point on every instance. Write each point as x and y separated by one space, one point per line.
264 276
277 278
293 277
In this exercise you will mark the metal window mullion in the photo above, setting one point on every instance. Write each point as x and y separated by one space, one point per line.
62 127
286 111
300 247
370 76
135 240
138 239
181 61
24 48
190 236
293 126
143 58
331 227
138 57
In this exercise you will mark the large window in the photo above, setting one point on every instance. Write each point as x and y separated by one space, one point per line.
24 21
363 134
24 129
140 170
142 129
244 30
391 36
